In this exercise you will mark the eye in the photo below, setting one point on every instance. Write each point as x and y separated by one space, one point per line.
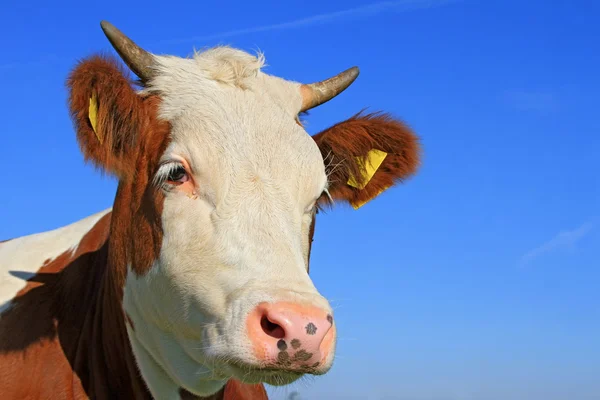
177 175
173 174
317 204
323 200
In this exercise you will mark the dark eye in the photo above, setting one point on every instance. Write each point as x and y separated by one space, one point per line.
178 175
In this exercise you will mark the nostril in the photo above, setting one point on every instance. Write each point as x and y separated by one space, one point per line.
271 328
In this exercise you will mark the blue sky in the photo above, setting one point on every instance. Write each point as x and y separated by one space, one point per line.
476 280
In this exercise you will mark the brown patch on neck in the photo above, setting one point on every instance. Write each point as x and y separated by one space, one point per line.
136 231
66 328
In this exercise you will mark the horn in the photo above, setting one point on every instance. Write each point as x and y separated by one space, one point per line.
136 58
314 94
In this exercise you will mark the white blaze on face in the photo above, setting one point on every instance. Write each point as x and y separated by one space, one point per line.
244 239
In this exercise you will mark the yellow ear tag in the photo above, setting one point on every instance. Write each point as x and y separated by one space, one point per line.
93 115
359 204
374 159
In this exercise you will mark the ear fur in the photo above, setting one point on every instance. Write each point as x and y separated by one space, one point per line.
107 131
345 148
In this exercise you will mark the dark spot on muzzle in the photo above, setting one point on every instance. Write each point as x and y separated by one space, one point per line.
296 343
302 355
311 329
281 345
283 357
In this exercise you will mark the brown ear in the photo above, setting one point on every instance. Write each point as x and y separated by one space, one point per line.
107 114
353 151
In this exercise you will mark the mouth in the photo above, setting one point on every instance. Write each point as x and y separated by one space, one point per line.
253 374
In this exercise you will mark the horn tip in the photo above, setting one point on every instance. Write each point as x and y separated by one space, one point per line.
110 31
106 26
354 72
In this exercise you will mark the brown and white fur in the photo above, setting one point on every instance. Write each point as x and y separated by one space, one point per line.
219 185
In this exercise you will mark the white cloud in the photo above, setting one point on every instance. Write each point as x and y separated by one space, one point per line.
563 240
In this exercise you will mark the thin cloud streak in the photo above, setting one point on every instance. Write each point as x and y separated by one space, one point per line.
562 240
366 11
358 12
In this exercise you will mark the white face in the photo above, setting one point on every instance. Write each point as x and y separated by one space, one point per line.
236 223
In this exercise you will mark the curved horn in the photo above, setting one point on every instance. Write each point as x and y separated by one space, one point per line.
314 94
136 58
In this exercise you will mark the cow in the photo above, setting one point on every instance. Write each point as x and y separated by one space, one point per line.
195 282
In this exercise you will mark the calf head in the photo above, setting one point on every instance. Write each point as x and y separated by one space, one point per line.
213 219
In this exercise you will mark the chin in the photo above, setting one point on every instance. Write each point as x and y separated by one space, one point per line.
269 375
273 378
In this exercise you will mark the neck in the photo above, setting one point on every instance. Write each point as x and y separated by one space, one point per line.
70 317
113 372
116 340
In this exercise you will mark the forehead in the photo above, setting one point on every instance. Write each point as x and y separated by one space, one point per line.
227 115
218 82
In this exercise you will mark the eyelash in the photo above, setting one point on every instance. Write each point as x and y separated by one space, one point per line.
171 173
